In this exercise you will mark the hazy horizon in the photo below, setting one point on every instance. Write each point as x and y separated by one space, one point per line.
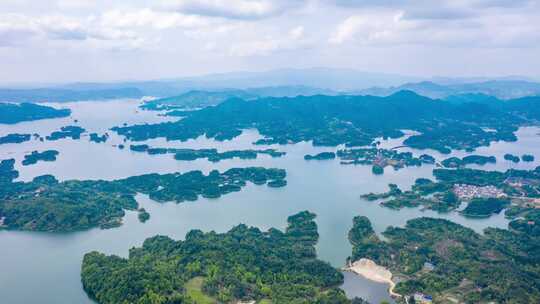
61 41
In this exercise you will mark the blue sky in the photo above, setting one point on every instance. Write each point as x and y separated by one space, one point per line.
98 40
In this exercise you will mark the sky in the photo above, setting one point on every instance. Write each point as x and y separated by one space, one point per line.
51 41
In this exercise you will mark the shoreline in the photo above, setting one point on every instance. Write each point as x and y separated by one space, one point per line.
371 271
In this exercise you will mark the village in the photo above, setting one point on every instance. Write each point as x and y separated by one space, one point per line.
468 192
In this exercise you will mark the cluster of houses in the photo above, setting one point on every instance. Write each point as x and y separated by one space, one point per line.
419 298
467 192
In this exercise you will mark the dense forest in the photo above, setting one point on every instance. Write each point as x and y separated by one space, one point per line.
45 204
14 138
243 264
212 155
94 137
453 263
35 156
381 158
456 162
11 113
73 132
351 120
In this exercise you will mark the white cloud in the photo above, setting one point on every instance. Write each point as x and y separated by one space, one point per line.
371 28
382 27
130 27
16 29
295 39
150 18
233 9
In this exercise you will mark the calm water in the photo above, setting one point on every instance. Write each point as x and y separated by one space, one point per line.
48 264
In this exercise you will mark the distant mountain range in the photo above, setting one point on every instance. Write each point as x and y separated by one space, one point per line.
66 95
502 89
280 83
200 99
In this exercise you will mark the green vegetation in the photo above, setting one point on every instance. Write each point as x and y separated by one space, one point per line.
381 158
73 132
321 156
377 170
512 158
351 120
442 200
11 113
527 158
278 183
211 155
143 215
99 138
7 172
485 207
492 192
35 156
242 264
499 266
194 291
46 204
14 138
455 162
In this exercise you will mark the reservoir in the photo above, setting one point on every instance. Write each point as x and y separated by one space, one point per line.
45 267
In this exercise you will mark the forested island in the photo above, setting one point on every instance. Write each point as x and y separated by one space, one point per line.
381 158
352 120
94 137
486 192
512 158
456 162
527 158
243 264
45 204
14 138
35 156
73 132
454 264
320 156
12 113
211 155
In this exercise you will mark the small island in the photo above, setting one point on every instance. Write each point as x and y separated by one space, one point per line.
243 265
35 156
14 138
527 158
512 158
382 158
211 155
143 215
73 132
321 156
94 137
456 162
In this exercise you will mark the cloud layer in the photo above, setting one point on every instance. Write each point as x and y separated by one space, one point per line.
208 35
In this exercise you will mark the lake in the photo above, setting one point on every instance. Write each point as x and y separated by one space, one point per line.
45 267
